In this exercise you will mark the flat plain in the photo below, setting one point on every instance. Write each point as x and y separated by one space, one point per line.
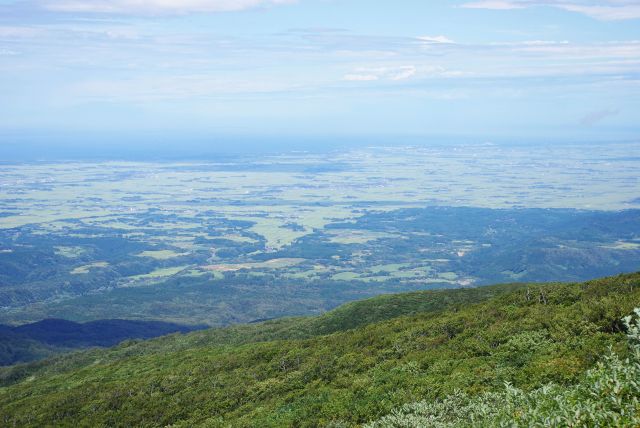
240 238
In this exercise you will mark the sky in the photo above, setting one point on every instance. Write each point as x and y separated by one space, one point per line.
525 70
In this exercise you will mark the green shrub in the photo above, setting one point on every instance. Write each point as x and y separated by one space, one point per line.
607 396
359 363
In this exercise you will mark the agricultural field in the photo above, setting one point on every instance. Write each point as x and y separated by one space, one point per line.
256 237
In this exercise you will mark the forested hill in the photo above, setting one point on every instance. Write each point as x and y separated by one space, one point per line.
33 341
349 367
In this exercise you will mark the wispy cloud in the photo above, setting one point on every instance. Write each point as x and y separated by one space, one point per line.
598 116
495 4
20 32
177 87
607 10
368 74
154 7
435 39
612 12
355 77
70 62
404 73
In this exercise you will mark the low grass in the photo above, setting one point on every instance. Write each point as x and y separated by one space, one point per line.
623 245
161 254
70 252
269 264
87 268
159 273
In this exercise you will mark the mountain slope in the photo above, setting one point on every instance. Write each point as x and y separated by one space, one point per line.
30 342
343 318
608 395
15 348
346 368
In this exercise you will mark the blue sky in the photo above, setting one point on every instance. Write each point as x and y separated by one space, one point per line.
522 69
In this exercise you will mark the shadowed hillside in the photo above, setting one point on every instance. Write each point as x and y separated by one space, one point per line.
346 368
33 341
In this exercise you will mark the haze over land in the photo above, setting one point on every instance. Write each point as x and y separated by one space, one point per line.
305 213
219 162
261 236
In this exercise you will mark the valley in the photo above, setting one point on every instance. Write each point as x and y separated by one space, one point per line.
259 237
251 237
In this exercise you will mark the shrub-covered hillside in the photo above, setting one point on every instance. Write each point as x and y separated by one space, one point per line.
608 395
349 367
30 342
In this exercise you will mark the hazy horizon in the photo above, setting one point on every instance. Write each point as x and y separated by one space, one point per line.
113 72
158 147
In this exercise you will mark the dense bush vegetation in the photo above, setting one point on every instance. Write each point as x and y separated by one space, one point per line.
607 396
347 369
346 317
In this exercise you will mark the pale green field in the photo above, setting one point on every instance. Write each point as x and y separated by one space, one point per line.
342 236
345 276
87 268
159 273
112 194
161 254
391 268
70 252
270 264
449 276
403 271
622 245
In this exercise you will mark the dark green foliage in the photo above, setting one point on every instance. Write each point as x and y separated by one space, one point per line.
346 317
606 396
534 244
96 333
348 367
15 348
31 342
452 246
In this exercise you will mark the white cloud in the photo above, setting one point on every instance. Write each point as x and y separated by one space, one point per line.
13 32
597 116
176 87
360 77
497 5
607 10
368 74
155 7
435 39
606 13
404 73
399 73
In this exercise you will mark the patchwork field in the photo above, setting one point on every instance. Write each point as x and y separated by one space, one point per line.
257 237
